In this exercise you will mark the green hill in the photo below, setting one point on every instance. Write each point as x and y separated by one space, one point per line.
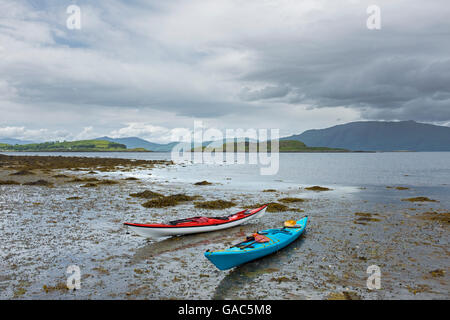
284 146
74 146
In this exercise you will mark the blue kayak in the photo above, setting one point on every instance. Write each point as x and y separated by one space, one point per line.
259 245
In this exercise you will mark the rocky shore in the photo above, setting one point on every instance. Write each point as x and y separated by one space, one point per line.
61 211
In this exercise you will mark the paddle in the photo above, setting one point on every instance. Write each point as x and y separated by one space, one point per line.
258 238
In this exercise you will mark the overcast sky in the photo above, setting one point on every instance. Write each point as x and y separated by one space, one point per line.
146 68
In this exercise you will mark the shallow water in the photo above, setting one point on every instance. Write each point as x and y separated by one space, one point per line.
344 169
42 233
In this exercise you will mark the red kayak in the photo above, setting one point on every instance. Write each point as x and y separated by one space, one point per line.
194 224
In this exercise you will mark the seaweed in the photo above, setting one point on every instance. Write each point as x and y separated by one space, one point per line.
419 289
147 194
269 190
276 207
215 204
40 182
419 199
281 279
202 183
8 182
437 273
107 182
60 176
318 188
443 217
290 200
59 286
344 295
26 163
22 173
84 180
168 201
89 185
19 292
365 217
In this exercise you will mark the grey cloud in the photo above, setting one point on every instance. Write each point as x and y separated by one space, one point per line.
268 92
174 58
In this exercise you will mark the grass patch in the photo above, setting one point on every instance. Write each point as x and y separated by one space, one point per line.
73 198
215 204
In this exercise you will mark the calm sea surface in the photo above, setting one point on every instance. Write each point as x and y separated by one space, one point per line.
340 169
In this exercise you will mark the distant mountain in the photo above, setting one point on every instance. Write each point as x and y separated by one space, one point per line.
13 141
379 136
135 142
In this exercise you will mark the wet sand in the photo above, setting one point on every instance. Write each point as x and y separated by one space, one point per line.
76 218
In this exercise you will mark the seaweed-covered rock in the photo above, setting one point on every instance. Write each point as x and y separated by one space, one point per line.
290 200
419 199
41 182
8 182
215 204
22 173
146 194
168 201
318 188
202 183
